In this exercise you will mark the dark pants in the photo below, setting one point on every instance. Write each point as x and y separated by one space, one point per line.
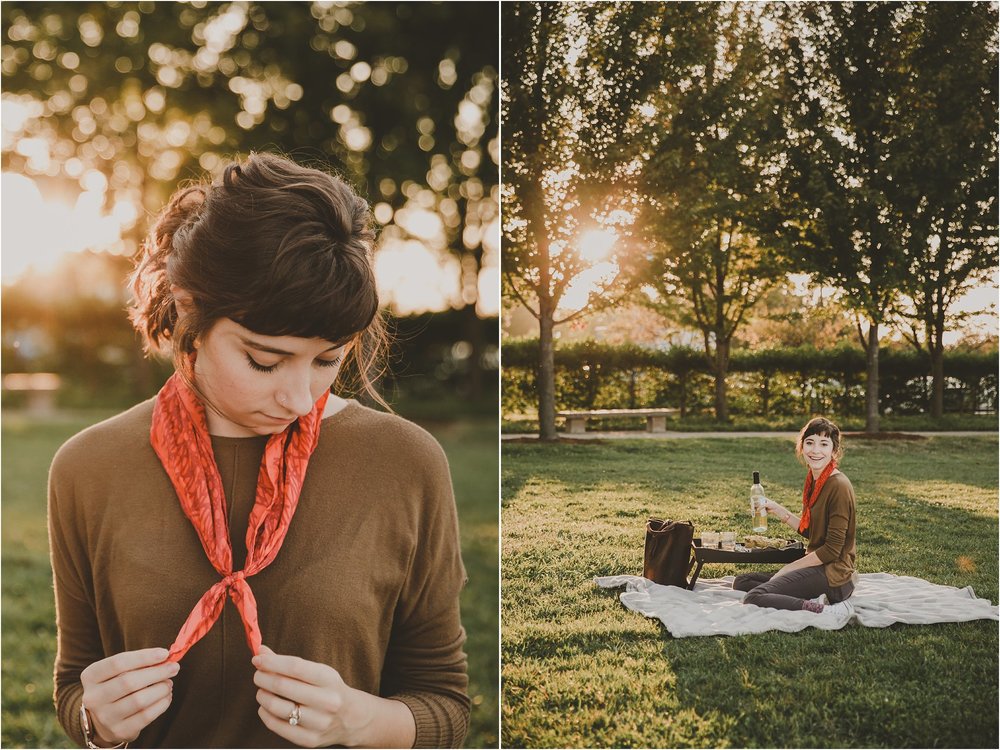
788 591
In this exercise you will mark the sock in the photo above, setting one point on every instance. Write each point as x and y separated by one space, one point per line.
812 606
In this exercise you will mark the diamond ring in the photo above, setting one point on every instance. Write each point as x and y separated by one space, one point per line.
293 717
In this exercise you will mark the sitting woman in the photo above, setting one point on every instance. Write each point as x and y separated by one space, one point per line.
827 520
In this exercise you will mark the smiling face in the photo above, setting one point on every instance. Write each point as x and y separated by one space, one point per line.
258 385
817 452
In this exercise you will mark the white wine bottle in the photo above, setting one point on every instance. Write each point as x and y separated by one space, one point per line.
757 510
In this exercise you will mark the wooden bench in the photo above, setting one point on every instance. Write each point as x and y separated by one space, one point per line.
40 389
656 419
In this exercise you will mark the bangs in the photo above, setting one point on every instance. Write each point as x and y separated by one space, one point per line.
311 290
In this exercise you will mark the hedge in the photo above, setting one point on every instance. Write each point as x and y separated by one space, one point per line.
785 381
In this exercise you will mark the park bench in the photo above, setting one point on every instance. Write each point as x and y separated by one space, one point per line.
40 389
656 419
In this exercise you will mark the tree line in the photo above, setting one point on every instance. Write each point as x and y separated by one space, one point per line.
732 144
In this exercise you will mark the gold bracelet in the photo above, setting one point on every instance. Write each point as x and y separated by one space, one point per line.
88 733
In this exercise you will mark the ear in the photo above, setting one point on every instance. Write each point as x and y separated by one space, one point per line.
183 300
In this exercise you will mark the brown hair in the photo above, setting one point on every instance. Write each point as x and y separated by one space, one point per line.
826 428
282 249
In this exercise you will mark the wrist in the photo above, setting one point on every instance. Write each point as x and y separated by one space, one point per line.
360 713
91 735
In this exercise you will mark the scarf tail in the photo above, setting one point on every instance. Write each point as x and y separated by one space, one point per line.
199 622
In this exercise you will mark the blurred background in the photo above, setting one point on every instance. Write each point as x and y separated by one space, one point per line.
108 107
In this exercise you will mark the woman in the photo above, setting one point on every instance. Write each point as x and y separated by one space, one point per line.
330 526
827 520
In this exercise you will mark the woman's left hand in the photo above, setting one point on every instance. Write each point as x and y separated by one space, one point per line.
329 711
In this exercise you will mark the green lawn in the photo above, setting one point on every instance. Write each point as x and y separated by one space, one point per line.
28 620
581 671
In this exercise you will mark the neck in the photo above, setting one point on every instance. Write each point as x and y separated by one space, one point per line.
818 473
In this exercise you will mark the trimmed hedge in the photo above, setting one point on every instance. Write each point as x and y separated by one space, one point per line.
593 375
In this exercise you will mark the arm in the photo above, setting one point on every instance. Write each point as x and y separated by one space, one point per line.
123 693
778 511
425 665
423 688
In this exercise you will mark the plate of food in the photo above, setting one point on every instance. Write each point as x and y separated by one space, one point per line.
757 541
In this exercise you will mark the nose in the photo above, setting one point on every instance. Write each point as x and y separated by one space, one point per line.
296 395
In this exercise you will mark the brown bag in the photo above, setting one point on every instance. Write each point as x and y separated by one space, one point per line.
669 554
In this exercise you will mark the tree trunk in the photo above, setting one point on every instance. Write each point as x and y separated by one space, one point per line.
765 393
871 387
682 379
473 332
937 375
721 369
546 374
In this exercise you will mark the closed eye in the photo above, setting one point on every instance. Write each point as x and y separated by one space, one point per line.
255 365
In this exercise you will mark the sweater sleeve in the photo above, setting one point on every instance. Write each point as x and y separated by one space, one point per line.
837 523
425 666
78 636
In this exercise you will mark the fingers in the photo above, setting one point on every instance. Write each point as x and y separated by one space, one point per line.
281 708
297 691
127 683
107 669
131 727
141 707
309 672
297 735
125 718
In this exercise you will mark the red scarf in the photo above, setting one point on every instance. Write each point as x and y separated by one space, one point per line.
179 436
810 492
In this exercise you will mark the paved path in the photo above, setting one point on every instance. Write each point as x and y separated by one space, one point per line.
636 435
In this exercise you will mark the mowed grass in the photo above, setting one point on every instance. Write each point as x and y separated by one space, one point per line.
579 670
28 619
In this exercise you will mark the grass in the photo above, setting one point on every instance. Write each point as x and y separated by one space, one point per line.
28 620
581 671
528 423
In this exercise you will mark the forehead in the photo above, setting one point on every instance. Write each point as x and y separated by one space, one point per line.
818 436
288 344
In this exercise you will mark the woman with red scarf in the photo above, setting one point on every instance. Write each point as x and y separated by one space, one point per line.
827 519
330 526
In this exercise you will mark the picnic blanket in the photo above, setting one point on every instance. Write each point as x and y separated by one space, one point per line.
879 600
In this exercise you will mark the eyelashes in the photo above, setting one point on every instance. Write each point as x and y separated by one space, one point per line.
258 367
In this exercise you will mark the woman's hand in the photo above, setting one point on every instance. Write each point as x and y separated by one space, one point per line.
777 510
329 711
126 692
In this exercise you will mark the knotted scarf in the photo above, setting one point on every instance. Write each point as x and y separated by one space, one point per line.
179 436
811 491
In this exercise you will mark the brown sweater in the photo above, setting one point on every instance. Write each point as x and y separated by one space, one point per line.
367 581
831 529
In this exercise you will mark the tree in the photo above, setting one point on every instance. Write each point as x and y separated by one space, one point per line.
575 78
845 81
949 117
715 143
125 100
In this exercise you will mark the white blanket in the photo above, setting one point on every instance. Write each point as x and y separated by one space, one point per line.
879 600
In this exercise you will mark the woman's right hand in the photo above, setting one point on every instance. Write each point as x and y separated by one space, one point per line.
126 692
776 510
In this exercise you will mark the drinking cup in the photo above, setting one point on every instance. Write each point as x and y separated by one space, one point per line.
728 539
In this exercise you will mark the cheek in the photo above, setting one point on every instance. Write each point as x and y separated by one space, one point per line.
323 380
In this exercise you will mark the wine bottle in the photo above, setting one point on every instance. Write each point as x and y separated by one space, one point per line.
757 509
